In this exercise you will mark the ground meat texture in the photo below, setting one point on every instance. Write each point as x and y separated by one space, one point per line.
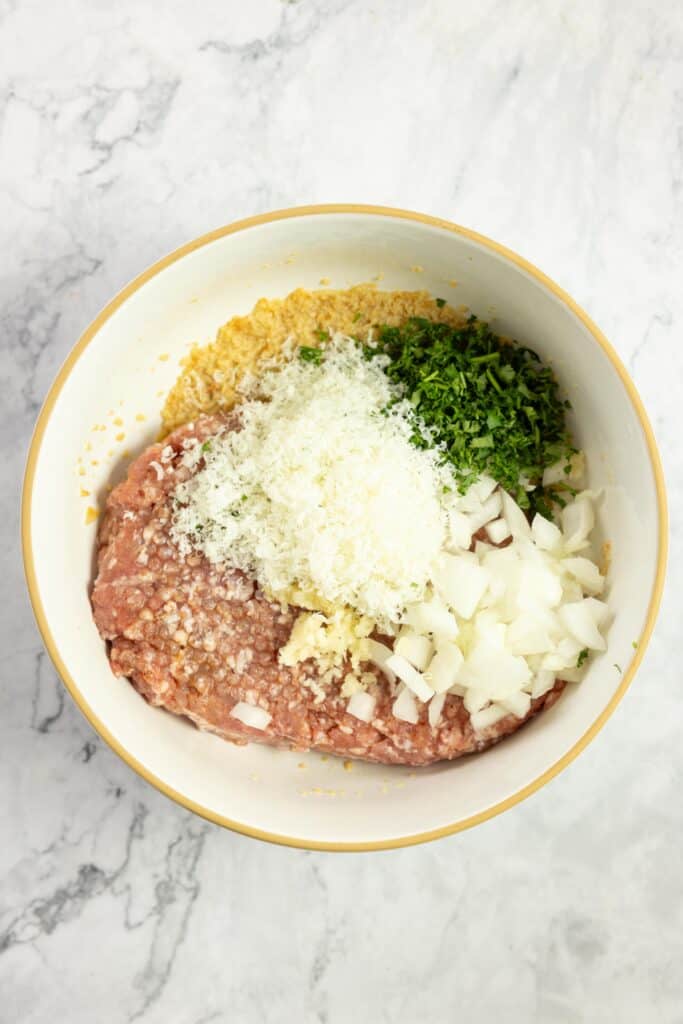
196 639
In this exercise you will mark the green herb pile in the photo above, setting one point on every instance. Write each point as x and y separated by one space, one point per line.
492 406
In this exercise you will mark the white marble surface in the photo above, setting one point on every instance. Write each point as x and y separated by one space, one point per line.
126 129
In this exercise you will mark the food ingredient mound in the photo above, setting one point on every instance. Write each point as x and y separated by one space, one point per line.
211 373
321 487
492 405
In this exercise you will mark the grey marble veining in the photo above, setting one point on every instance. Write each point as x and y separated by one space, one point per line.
126 129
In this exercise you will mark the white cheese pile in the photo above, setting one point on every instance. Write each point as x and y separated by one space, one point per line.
320 488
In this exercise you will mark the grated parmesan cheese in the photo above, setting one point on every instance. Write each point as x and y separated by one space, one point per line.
320 489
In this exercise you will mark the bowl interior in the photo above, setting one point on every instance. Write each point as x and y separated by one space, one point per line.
107 402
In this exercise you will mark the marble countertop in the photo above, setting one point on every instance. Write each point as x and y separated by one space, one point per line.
128 128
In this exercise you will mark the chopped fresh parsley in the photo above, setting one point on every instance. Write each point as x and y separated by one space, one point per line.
357 317
311 355
206 447
321 334
492 406
441 303
582 657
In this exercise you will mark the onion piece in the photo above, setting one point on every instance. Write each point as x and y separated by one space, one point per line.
433 617
459 529
578 519
530 633
362 706
487 511
474 701
496 673
538 587
435 708
411 677
599 610
515 518
586 572
443 669
487 717
580 619
564 655
404 707
489 630
571 590
251 715
462 583
518 704
379 654
498 531
545 534
543 682
477 493
416 649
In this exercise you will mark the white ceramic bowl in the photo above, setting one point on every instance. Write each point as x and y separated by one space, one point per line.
118 371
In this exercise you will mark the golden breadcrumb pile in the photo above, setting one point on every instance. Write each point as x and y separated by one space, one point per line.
211 373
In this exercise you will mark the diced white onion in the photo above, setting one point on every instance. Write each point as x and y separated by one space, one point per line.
496 673
362 706
459 529
477 493
405 708
526 615
487 717
249 714
581 619
443 669
530 634
433 617
578 519
461 583
545 534
416 649
598 609
538 587
411 677
564 655
435 708
489 630
518 704
379 655
586 572
498 531
515 518
543 682
474 701
487 511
